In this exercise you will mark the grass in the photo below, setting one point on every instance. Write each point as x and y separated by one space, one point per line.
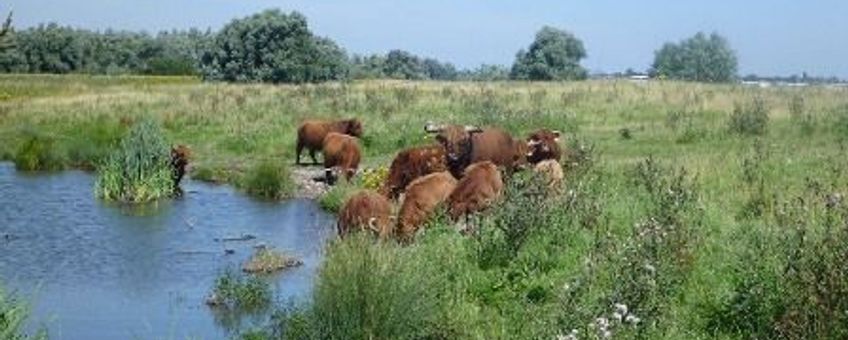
236 292
269 180
13 318
139 169
709 211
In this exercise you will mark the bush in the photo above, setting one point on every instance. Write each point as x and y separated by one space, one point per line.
269 180
38 152
750 119
139 170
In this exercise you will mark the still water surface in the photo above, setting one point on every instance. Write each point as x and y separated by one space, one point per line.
95 270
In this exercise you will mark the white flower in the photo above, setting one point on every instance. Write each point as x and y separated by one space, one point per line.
632 319
620 308
616 316
650 268
607 334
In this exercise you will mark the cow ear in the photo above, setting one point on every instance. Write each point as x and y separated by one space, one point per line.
430 127
556 135
472 129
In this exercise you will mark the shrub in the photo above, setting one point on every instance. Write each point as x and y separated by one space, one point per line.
139 169
749 119
269 180
38 152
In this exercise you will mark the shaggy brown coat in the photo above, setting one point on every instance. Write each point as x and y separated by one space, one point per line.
341 156
465 145
410 164
543 144
180 156
476 191
421 199
311 134
552 174
366 210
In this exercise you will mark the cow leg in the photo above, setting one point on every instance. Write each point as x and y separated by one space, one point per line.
328 176
297 152
312 154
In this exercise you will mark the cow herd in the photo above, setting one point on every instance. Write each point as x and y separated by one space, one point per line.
464 172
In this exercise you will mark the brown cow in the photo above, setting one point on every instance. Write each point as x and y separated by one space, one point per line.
180 156
366 210
341 156
543 144
465 145
476 191
410 164
311 133
421 199
552 174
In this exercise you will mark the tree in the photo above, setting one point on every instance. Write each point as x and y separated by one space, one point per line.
554 55
6 34
272 47
699 58
403 65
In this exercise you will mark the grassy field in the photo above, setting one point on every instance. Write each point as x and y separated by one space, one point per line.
708 210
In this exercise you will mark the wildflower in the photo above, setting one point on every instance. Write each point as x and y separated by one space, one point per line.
650 268
621 308
632 319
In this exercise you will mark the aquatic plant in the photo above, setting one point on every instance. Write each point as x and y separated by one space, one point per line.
139 169
267 260
239 292
13 318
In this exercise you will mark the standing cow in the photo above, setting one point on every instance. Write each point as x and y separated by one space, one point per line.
465 145
410 164
341 156
311 134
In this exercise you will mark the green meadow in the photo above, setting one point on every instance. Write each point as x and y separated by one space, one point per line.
689 210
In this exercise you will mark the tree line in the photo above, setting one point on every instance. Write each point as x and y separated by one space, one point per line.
273 46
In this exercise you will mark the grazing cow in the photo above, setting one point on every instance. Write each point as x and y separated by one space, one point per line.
551 173
543 144
410 164
311 133
476 191
366 210
421 199
465 145
180 155
341 156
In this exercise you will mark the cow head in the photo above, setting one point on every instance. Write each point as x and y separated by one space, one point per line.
353 127
456 139
542 145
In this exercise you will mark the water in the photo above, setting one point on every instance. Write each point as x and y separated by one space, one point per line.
95 270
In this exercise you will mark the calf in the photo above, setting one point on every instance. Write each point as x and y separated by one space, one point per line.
341 156
543 144
551 173
311 134
465 145
421 199
476 191
180 156
410 164
366 210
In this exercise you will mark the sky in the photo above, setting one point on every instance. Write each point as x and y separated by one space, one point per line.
771 37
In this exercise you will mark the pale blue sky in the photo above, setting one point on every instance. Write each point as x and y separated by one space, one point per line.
770 36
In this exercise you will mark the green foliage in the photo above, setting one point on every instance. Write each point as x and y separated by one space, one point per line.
37 153
139 169
333 199
749 119
554 55
13 318
269 180
240 292
699 58
272 47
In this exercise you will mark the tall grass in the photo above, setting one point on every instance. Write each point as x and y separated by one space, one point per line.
139 169
269 180
13 318
38 152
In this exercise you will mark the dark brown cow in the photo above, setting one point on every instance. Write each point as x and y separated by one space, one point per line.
476 191
465 145
311 133
410 164
341 156
366 210
543 144
421 199
180 156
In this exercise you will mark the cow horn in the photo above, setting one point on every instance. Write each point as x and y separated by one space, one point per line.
372 225
433 128
472 128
